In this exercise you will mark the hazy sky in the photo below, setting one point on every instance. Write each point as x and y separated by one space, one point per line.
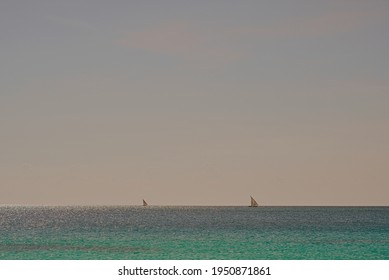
194 102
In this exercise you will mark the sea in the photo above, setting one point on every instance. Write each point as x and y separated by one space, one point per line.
193 233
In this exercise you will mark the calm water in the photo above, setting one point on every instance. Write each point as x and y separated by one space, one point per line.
194 233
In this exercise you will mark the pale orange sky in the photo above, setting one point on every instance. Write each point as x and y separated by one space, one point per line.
189 103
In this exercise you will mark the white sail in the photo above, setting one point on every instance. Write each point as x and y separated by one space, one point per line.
145 203
253 202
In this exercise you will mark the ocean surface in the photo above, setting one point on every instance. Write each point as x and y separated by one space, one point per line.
194 233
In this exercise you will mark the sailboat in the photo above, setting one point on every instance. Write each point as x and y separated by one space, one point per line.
253 202
145 203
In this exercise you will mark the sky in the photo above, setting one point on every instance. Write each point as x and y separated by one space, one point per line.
194 102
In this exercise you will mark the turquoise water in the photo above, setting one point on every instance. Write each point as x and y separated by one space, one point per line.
194 233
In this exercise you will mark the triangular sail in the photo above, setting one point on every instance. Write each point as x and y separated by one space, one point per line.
253 202
145 203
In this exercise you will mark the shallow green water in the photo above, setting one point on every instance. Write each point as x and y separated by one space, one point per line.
194 233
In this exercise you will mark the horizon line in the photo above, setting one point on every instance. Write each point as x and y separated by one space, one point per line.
176 205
